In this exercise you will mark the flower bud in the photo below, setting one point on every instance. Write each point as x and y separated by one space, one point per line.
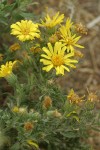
14 47
53 38
15 109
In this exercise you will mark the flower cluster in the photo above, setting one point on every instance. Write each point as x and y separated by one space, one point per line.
59 56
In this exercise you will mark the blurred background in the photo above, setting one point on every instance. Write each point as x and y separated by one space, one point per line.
86 77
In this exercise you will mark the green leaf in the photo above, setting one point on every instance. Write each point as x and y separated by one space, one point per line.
16 146
27 15
9 8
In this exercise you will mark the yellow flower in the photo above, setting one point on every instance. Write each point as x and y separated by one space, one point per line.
25 30
51 22
66 29
68 24
56 58
14 47
68 38
6 69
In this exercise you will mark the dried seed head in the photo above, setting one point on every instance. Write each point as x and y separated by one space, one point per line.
78 54
81 28
28 126
25 55
50 82
14 47
53 38
92 97
74 98
35 49
58 34
47 102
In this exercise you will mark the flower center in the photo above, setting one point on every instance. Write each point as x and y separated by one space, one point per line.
69 41
25 31
57 60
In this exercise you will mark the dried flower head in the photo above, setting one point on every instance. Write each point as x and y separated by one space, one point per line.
58 34
81 28
35 49
25 30
53 38
78 54
47 102
14 47
92 97
51 81
51 22
74 98
25 55
56 58
28 126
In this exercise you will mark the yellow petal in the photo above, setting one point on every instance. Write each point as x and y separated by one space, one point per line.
48 68
47 51
50 48
46 56
45 61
